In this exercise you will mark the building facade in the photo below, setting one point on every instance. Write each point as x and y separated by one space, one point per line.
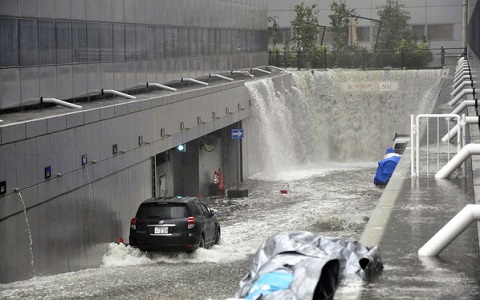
437 22
71 178
71 49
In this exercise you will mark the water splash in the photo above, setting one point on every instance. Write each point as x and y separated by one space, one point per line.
28 230
335 115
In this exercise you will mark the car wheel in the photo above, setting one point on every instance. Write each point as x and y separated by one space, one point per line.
202 242
217 236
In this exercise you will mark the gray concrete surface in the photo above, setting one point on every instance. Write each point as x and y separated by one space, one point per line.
409 213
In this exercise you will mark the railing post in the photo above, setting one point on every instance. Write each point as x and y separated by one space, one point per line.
412 145
442 56
298 59
325 57
363 58
401 59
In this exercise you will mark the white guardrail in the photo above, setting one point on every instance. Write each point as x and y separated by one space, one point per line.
432 149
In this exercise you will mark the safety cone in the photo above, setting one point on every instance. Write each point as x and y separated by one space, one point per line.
121 240
220 180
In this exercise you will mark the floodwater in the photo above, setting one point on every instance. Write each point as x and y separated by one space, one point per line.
318 199
318 139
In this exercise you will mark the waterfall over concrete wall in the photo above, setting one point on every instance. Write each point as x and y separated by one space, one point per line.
335 115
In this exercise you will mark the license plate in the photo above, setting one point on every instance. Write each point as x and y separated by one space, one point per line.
160 229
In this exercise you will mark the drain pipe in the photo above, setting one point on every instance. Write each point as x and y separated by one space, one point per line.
449 232
277 68
460 79
458 76
462 106
246 73
161 86
461 66
59 102
462 72
460 96
467 151
260 70
460 87
454 131
221 76
194 81
114 92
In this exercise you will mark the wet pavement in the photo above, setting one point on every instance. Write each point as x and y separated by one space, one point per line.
409 213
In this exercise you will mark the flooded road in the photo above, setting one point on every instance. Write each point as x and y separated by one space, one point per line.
333 199
318 139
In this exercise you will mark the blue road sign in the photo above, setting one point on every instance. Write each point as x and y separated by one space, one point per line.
237 134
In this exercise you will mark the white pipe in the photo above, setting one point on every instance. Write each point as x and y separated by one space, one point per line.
114 92
462 106
460 79
462 64
161 86
277 68
460 74
222 77
413 133
453 132
59 102
195 81
451 230
460 96
457 160
260 70
463 67
246 73
460 69
460 87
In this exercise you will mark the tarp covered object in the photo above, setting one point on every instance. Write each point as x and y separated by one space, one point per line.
317 264
386 167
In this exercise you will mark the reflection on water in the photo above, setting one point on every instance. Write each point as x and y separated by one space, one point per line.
318 199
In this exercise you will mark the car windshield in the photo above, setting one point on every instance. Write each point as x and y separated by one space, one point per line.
162 211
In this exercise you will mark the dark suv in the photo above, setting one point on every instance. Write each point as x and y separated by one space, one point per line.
178 223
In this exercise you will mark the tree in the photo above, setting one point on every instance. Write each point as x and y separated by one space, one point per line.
394 22
305 28
339 24
413 55
273 31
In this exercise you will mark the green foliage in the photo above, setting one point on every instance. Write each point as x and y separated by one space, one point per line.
346 59
394 25
413 55
305 28
318 57
339 24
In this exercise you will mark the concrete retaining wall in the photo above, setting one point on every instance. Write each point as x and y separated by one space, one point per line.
74 214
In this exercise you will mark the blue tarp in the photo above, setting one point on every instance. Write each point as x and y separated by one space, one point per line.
386 167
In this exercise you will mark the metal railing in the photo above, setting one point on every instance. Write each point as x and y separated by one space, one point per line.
322 58
416 132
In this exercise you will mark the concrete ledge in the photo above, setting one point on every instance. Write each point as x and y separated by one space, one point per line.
375 228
